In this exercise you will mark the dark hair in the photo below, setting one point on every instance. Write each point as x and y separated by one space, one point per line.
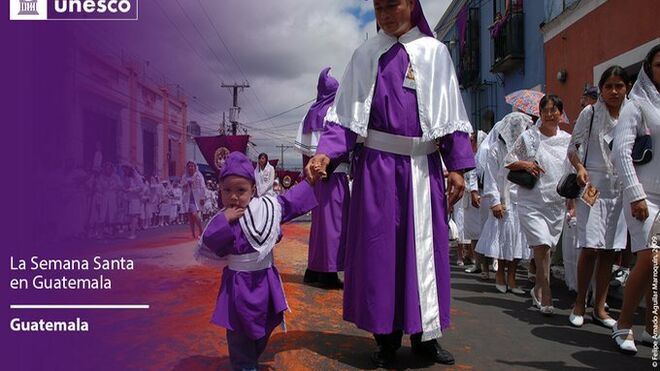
554 99
614 71
263 155
649 59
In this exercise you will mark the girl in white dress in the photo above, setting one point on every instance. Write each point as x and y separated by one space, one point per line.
541 151
265 176
501 237
598 224
641 197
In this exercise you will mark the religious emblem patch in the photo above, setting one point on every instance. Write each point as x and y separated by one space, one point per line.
409 81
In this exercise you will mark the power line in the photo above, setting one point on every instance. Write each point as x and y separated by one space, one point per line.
282 113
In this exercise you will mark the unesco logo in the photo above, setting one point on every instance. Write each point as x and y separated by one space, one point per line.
28 10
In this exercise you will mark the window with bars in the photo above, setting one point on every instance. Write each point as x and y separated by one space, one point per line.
507 34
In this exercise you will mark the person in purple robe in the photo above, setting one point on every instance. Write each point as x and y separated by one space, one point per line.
327 236
251 301
400 93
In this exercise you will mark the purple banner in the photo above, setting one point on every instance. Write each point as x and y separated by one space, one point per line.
215 149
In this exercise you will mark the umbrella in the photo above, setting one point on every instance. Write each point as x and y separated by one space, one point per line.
527 101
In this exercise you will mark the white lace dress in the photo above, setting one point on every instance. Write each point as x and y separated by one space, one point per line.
541 209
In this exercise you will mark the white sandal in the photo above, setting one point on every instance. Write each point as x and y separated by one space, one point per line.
625 345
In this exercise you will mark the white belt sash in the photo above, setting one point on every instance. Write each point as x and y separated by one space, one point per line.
249 262
341 168
418 151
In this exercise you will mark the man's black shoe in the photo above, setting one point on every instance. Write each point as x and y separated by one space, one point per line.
383 357
432 349
330 280
311 276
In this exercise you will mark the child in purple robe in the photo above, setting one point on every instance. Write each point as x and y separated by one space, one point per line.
251 301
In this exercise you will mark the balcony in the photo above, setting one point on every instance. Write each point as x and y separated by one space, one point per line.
468 74
508 43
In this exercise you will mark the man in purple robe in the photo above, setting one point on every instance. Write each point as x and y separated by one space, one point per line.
327 236
401 94
251 300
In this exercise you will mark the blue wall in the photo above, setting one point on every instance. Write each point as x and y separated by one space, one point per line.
526 76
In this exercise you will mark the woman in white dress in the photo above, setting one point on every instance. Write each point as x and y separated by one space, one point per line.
107 186
265 176
133 186
541 151
598 224
166 203
474 216
641 196
193 195
501 237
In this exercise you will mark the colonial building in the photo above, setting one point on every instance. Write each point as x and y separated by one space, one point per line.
583 38
497 49
130 117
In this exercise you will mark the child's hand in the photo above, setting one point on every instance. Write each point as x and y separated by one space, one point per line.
233 213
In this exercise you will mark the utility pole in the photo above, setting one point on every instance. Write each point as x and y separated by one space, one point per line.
283 148
223 128
235 109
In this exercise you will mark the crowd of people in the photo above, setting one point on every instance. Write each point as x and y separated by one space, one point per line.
513 210
513 192
110 201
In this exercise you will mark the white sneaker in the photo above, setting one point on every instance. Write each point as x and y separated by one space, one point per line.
575 320
607 322
621 337
501 288
472 269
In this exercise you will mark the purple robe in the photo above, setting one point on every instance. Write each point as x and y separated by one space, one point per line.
327 236
252 302
380 287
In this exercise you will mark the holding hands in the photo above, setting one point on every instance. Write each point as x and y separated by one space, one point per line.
316 168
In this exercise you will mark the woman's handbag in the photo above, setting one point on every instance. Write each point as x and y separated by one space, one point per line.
642 151
522 178
568 186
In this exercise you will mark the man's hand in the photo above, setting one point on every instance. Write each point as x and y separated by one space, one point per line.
498 211
455 187
476 199
639 210
316 167
233 213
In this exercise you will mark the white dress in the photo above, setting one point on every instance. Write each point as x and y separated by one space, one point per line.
500 238
264 180
541 209
640 116
599 226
